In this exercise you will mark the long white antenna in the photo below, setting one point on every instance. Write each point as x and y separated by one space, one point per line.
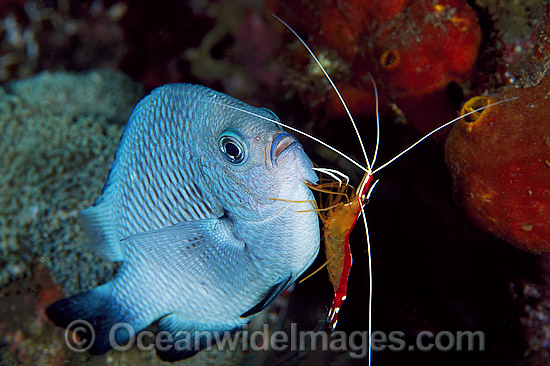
370 284
437 129
369 168
292 129
377 119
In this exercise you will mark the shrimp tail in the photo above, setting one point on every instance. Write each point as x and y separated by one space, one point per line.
341 292
340 223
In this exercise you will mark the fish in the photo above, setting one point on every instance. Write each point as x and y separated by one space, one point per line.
207 208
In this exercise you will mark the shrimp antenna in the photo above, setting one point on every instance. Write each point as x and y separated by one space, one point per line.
370 282
377 119
437 129
369 169
292 129
369 166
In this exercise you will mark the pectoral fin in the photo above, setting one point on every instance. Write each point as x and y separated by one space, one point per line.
201 252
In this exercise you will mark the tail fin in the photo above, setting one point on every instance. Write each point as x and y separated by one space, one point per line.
96 308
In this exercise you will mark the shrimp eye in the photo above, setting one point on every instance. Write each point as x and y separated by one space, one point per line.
232 149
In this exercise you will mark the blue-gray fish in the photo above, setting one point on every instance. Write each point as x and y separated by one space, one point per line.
204 206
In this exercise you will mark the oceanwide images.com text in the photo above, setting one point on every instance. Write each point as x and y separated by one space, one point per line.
80 337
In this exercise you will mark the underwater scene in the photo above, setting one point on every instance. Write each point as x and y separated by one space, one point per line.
154 211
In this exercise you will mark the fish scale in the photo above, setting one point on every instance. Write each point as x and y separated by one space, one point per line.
194 208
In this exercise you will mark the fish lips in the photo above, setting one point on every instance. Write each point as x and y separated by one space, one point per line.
285 144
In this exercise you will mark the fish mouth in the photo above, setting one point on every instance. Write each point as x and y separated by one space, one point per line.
283 143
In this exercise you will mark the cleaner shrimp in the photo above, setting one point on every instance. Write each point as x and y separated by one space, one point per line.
340 218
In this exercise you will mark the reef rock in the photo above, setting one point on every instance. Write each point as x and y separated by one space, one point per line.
59 135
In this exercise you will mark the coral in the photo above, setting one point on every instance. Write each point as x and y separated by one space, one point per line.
518 41
59 134
73 35
514 20
437 43
250 44
29 338
500 159
532 298
203 64
413 49
500 163
227 45
26 334
223 44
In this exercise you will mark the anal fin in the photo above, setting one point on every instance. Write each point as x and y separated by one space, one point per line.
187 341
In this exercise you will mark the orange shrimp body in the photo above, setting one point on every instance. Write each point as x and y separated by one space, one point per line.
339 223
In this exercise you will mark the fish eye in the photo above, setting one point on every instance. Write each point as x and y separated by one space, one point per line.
232 149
